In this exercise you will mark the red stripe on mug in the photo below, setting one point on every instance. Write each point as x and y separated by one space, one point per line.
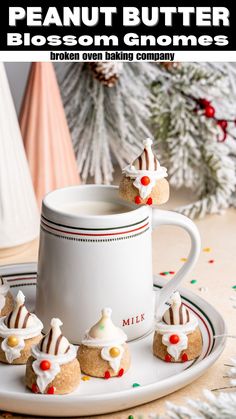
94 234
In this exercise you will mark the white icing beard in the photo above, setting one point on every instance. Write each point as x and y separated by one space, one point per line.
114 362
175 349
3 292
46 377
133 173
12 353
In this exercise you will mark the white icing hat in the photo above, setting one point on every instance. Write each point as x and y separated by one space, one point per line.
20 317
105 329
54 342
177 313
147 159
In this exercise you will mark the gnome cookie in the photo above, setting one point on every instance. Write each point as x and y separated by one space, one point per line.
177 337
104 352
6 299
18 332
53 367
143 181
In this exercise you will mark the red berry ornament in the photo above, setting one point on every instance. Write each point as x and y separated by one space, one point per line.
223 124
184 357
35 388
145 180
209 111
222 140
45 365
149 201
168 358
204 102
51 390
174 339
137 200
107 375
121 372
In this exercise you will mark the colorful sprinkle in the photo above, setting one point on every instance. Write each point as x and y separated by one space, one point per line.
85 378
135 385
207 249
211 261
183 259
194 281
163 273
171 272
130 417
234 287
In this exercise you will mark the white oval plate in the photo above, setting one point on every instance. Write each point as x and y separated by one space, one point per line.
97 396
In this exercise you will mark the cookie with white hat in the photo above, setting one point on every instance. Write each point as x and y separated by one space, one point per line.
6 299
53 367
104 352
177 336
144 181
18 332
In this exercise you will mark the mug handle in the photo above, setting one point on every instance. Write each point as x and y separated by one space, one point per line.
161 217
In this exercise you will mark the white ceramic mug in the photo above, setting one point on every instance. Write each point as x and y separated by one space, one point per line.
90 262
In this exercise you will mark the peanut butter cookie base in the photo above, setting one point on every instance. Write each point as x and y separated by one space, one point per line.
9 305
92 364
160 193
193 351
65 382
25 353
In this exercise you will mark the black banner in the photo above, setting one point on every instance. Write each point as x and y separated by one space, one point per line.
162 26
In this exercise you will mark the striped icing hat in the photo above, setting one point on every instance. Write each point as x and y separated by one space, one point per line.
147 159
54 342
177 313
20 317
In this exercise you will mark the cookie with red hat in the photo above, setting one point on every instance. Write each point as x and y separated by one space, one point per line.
177 336
53 367
144 181
104 352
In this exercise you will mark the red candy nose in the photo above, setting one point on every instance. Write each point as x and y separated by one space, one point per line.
145 180
45 365
174 339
